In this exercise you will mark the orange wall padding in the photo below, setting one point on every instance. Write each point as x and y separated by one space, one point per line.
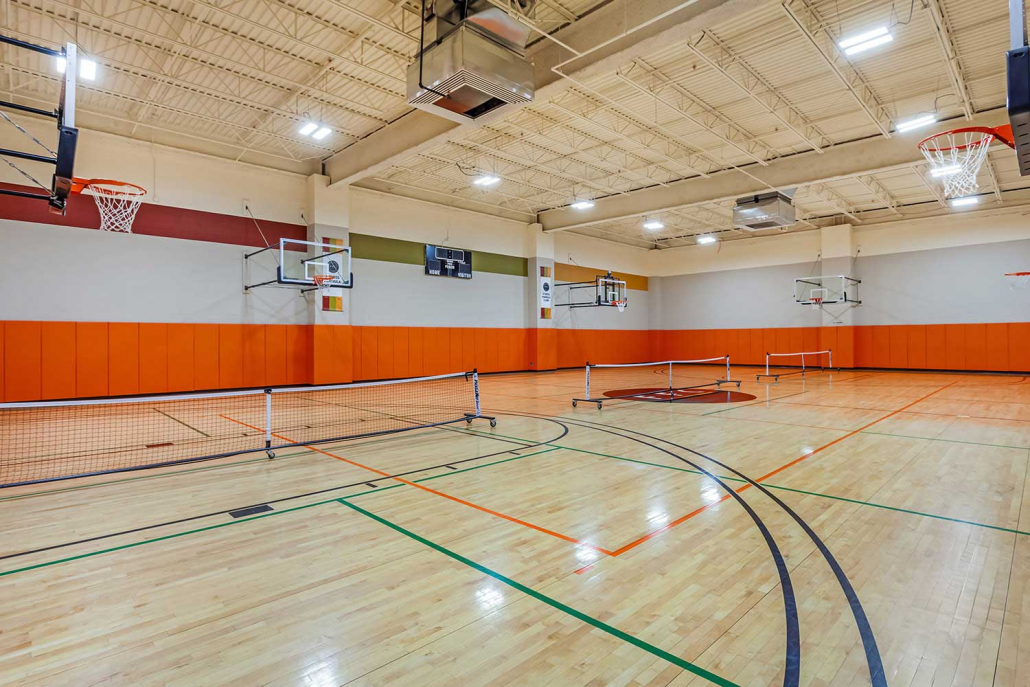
51 360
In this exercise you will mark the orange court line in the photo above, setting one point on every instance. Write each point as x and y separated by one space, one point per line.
509 518
688 516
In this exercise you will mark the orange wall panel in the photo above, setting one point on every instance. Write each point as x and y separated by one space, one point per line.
400 352
344 350
456 351
468 349
955 346
936 347
384 338
153 358
205 356
180 357
542 351
299 353
863 346
23 361
230 356
844 352
2 364
416 336
369 353
355 335
325 361
493 342
1019 351
881 346
997 346
917 346
827 341
123 359
58 359
275 355
898 335
795 340
811 339
976 346
91 359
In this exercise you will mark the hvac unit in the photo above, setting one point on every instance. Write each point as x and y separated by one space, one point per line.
472 65
764 211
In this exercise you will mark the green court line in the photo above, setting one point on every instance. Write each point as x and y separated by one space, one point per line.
257 517
166 537
553 603
799 491
950 441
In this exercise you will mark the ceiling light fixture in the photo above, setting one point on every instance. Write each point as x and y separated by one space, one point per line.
87 68
653 225
486 180
967 200
945 171
865 41
307 128
582 205
916 123
321 133
706 239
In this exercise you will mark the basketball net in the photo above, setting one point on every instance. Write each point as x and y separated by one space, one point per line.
956 156
817 302
1018 280
117 202
324 283
621 305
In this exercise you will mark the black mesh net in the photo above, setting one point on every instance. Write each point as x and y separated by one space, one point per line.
57 440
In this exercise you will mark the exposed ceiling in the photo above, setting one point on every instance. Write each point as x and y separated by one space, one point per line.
733 98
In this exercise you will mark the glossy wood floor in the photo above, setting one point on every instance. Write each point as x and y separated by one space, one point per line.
887 519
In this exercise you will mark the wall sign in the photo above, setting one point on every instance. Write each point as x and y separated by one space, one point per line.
546 293
448 262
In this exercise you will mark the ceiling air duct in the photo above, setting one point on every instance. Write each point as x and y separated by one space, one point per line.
472 62
773 210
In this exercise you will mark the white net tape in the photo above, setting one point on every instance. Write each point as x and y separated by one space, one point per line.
117 203
956 158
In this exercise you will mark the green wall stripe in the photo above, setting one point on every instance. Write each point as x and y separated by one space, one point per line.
553 603
367 247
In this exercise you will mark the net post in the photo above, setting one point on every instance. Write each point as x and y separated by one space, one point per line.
766 363
268 419
475 391
727 367
802 364
587 395
670 379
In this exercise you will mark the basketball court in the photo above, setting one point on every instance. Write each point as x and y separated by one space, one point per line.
540 343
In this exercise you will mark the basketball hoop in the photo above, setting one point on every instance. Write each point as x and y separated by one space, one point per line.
621 305
1018 280
117 201
817 302
324 283
956 156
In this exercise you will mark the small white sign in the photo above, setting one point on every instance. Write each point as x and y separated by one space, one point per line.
546 287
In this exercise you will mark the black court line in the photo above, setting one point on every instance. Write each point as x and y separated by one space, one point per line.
564 432
792 659
873 660
175 419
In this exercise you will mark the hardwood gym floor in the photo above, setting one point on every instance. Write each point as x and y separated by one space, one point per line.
564 547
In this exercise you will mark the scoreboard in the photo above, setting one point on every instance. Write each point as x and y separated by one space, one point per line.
448 262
